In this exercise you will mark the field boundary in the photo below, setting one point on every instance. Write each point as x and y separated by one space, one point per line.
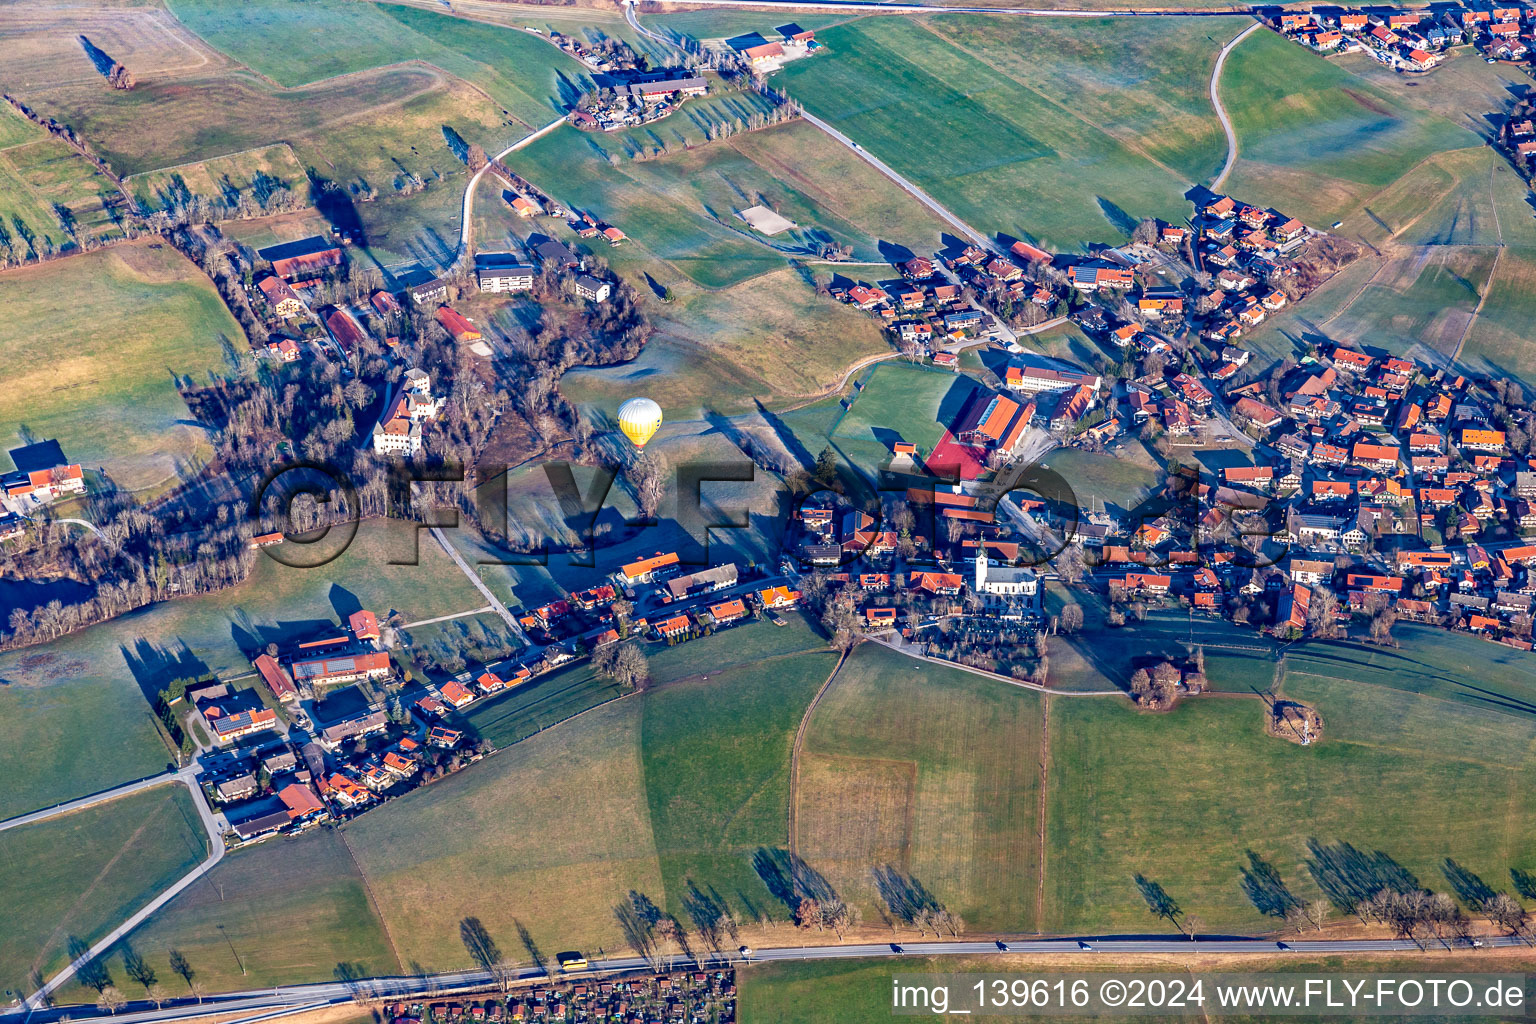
794 755
1455 356
223 156
373 901
1044 803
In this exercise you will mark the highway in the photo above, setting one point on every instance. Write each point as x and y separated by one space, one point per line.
1081 951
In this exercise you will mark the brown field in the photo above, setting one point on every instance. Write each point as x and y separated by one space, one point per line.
41 48
194 104
862 815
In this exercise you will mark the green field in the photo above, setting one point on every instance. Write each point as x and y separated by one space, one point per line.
63 739
898 401
224 176
294 43
859 991
1499 341
1415 777
48 192
1006 145
715 751
80 875
1418 305
1302 324
1122 478
1431 662
1461 197
575 167
281 910
97 682
933 772
102 380
539 704
771 339
1316 141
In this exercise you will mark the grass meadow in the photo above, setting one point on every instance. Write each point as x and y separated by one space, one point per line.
49 194
1315 140
681 783
81 874
1419 304
579 169
278 911
232 175
1499 341
293 42
1004 145
715 751
1460 197
859 991
1184 798
103 379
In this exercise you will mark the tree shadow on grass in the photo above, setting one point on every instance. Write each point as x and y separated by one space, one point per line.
1265 889
1349 877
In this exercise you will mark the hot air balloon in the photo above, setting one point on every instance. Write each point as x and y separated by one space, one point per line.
639 418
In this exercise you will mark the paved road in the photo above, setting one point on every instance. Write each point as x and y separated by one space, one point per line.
95 798
216 853
446 618
906 186
1221 112
870 7
330 993
490 598
467 214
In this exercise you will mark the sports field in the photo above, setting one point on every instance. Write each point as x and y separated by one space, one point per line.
898 401
80 875
930 771
1005 145
1316 141
101 377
